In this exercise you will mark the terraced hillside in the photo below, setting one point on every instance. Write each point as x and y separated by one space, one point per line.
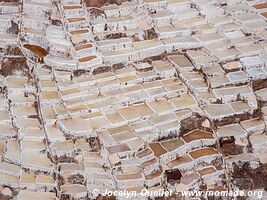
142 95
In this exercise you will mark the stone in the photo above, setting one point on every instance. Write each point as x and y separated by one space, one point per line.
6 192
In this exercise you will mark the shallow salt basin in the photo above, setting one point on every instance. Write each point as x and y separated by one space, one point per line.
231 130
262 94
75 126
219 110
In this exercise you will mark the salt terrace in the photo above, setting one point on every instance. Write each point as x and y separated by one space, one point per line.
165 94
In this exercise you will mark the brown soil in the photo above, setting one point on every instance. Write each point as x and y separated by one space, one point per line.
2 50
3 92
226 140
3 197
94 143
65 197
145 69
96 12
231 149
237 118
115 36
65 159
10 65
56 22
86 59
117 66
217 163
245 177
100 70
76 179
100 3
10 1
60 180
14 29
150 34
202 152
79 32
260 6
191 123
259 84
80 72
13 51
173 175
264 14
39 51
83 46
76 19
71 7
